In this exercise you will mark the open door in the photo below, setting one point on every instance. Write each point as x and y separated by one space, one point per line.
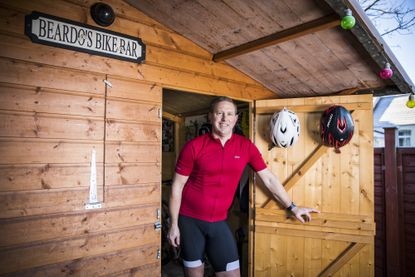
184 118
340 239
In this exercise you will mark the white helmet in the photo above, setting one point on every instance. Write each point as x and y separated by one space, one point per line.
285 128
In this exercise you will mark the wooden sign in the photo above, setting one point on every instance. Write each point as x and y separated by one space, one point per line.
59 32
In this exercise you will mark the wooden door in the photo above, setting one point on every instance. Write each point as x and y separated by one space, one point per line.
133 172
339 241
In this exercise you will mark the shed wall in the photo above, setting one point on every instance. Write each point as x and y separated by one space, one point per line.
55 108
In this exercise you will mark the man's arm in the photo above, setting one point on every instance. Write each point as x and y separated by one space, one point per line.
280 194
175 200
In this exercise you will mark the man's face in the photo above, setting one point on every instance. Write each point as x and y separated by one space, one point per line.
223 118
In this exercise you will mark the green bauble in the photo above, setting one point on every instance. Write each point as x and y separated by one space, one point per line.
348 22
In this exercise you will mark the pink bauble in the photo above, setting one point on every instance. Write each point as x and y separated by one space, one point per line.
386 73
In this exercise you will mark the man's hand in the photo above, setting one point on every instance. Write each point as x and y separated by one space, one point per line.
174 236
303 214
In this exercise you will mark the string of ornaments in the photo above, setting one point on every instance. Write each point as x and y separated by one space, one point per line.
336 122
348 22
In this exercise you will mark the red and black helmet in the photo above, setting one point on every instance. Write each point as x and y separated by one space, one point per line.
336 126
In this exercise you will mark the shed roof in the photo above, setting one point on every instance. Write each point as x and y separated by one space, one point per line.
293 47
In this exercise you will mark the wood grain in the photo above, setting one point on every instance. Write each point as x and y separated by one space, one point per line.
332 183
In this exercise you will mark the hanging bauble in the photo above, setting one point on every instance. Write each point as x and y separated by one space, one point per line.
386 73
411 102
348 21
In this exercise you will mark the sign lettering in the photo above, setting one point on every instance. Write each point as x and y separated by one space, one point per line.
64 33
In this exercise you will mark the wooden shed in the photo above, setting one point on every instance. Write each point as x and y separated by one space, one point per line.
74 120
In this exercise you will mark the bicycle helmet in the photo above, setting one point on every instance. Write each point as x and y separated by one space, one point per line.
336 126
285 128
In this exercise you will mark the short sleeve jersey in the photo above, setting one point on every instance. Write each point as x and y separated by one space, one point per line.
214 172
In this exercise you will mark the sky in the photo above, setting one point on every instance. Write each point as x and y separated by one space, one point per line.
402 45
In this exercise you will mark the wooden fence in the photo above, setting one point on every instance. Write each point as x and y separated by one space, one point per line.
394 209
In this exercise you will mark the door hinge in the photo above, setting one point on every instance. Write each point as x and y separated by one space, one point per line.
158 255
157 225
158 213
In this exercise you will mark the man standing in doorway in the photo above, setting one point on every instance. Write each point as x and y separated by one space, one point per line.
207 175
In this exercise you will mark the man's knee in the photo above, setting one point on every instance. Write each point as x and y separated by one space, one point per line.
194 268
231 273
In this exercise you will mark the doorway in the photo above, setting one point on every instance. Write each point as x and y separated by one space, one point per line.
184 118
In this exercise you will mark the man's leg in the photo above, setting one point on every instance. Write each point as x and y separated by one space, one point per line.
222 251
232 273
192 244
194 271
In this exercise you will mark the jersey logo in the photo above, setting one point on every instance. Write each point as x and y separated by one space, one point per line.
237 157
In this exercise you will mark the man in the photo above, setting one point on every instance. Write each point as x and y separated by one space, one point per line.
207 174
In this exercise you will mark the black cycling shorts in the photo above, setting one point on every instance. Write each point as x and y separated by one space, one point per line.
198 237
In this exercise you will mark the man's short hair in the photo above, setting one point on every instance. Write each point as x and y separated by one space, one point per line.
216 100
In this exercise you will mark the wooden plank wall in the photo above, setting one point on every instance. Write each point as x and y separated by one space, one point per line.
55 108
339 185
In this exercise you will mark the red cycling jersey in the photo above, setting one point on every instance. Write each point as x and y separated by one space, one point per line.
214 172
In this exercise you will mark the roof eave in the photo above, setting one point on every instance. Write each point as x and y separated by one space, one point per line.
377 48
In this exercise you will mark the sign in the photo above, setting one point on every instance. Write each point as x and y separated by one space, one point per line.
59 32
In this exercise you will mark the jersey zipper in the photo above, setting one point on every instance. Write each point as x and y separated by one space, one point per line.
219 183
